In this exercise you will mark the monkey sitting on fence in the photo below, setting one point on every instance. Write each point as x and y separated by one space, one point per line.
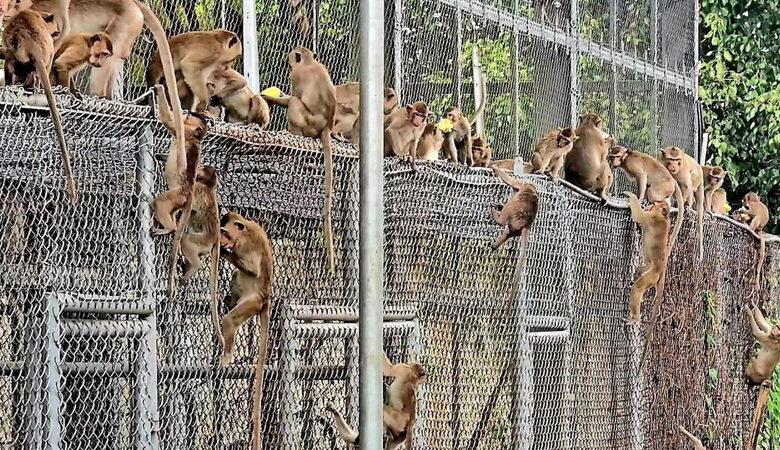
400 408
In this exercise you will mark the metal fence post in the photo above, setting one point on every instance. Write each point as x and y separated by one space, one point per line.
371 287
147 415
398 48
52 370
251 67
574 34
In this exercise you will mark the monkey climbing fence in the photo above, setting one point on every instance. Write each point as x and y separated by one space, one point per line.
93 355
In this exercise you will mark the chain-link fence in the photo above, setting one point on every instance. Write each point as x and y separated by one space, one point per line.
93 355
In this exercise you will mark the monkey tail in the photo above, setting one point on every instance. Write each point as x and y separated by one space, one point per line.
700 219
257 390
170 78
518 268
214 284
327 150
680 216
761 257
696 441
655 312
186 212
481 108
43 74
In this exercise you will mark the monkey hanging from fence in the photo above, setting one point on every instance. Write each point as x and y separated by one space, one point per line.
245 245
756 215
761 367
399 413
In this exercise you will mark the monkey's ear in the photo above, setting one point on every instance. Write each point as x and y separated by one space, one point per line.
390 95
233 41
409 108
94 38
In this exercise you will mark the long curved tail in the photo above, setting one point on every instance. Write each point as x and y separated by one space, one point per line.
655 312
761 258
43 74
214 280
481 109
700 219
327 150
257 390
680 215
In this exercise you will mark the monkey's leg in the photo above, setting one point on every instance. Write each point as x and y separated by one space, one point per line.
165 205
246 308
191 251
451 149
501 239
102 78
642 284
468 150
394 420
557 167
345 431
195 79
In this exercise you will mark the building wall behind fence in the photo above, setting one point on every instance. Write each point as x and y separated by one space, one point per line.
93 355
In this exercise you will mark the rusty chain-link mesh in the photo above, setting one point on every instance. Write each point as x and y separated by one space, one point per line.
93 355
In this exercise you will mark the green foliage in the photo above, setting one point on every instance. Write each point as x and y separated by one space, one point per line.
740 53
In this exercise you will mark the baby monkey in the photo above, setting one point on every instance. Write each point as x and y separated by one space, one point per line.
399 410
550 152
76 52
756 215
760 368
713 180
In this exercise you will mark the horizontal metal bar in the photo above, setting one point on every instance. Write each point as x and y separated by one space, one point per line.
346 317
524 25
105 328
559 335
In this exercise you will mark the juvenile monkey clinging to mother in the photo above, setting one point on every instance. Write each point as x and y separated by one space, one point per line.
78 51
761 367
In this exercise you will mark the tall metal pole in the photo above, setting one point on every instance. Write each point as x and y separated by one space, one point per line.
372 66
251 66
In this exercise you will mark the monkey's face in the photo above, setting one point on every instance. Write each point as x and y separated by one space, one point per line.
231 227
454 115
716 177
750 197
482 153
673 164
659 208
300 55
417 372
206 175
418 114
194 128
616 156
593 119
565 137
391 101
100 51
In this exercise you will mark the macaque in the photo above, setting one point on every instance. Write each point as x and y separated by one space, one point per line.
229 89
551 150
653 181
77 52
713 180
245 245
458 143
655 233
28 50
403 130
720 204
586 164
689 176
311 107
348 110
400 408
430 143
483 154
756 215
761 368
197 55
697 445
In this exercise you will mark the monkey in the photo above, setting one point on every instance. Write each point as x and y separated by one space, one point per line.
458 142
720 204
345 121
517 215
29 50
310 110
399 412
229 89
697 445
198 54
761 367
689 176
586 164
654 182
482 152
430 143
245 245
756 215
76 52
713 180
654 221
403 130
550 151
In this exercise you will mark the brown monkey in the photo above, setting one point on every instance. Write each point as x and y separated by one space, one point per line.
713 180
399 411
483 154
689 176
229 88
720 204
198 54
550 151
755 213
345 122
246 246
29 49
586 164
697 445
654 182
76 52
430 143
310 110
761 368
655 233
403 130
458 142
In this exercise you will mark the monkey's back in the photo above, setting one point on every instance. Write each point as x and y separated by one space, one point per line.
585 155
23 37
523 208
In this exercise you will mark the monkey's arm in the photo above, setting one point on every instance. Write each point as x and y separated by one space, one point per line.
451 148
283 100
757 332
761 321
641 182
164 109
248 265
511 182
638 215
